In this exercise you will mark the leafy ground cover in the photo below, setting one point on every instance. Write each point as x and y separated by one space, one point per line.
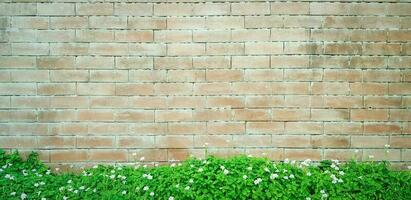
240 177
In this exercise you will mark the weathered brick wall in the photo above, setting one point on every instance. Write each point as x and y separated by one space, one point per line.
108 81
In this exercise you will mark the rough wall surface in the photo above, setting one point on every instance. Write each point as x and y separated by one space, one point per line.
106 81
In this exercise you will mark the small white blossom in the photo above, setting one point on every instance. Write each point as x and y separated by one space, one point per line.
249 168
187 188
371 156
142 158
171 198
257 181
36 184
65 198
273 176
308 198
285 177
226 172
292 176
13 194
94 190
69 181
82 188
222 167
43 198
134 154
151 193
387 146
308 174
341 173
145 188
124 192
244 176
23 196
191 181
200 169
75 191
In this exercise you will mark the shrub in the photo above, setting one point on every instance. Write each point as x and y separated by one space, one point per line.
240 177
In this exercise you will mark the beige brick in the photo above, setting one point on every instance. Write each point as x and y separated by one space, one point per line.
173 63
330 141
147 75
291 141
148 102
264 101
28 102
174 141
329 114
95 115
252 140
342 22
399 88
94 9
185 49
250 35
146 23
369 115
134 63
17 62
173 88
265 127
257 8
129 89
109 76
225 101
212 115
382 75
95 142
290 114
30 49
290 8
224 75
225 49
173 36
250 62
94 35
263 48
108 49
343 101
211 88
111 22
213 141
95 89
263 22
134 36
289 61
303 75
69 75
330 88
68 22
263 75
147 49
303 21
108 102
211 35
211 62
382 102
401 9
69 102
68 155
211 9
381 128
251 88
290 88
30 22
134 9
134 116
251 114
56 88
55 9
303 128
139 141
107 155
173 115
94 62
57 142
186 102
74 49
30 76
303 154
185 23
186 75
18 8
400 115
224 22
57 116
369 88
219 128
294 34
369 141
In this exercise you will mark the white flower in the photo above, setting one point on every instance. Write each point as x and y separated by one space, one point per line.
292 176
124 192
249 155
178 185
142 158
273 176
134 154
171 198
226 172
75 191
387 146
322 191
286 160
409 167
145 188
173 165
149 177
36 185
23 196
112 176
69 181
200 169
285 177
341 173
249 168
308 174
112 171
206 144
191 181
244 176
65 198
187 188
257 181
334 181
222 167
13 194
371 156
308 198
356 151
82 188
151 193
94 190
43 198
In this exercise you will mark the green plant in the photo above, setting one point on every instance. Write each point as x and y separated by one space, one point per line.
240 177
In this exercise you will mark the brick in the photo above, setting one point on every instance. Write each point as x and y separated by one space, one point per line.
109 76
173 115
381 154
219 128
94 62
330 141
68 155
330 35
257 8
369 88
147 75
109 49
173 88
68 22
263 48
299 101
186 76
343 128
134 36
369 141
94 9
148 154
134 116
265 127
251 115
368 62
111 22
57 115
15 9
55 62
148 128
343 101
303 21
401 9
342 49
211 35
95 89
342 154
172 63
147 49
264 101
94 35
381 128
400 115
381 49
69 102
69 129
30 49
330 88
294 34
303 128
382 75
361 35
174 141
17 89
290 88
69 75
250 35
173 9
302 48
342 75
399 88
224 75
225 101
108 128
56 142
173 36
107 155
381 22
290 8
290 114
134 9
211 9
289 61
250 62
134 63
263 75
251 88
213 141
128 89
146 23
185 49
139 141
182 154
69 49
212 115
108 102
185 102
291 141
56 89
185 23
30 76
211 62
28 102
224 22
382 102
303 75
52 9
21 62
252 140
186 128
30 22
342 22
400 142
225 49
369 115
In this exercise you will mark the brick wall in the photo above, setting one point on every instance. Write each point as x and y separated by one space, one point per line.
88 82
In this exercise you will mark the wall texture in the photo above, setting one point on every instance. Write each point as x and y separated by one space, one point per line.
85 82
